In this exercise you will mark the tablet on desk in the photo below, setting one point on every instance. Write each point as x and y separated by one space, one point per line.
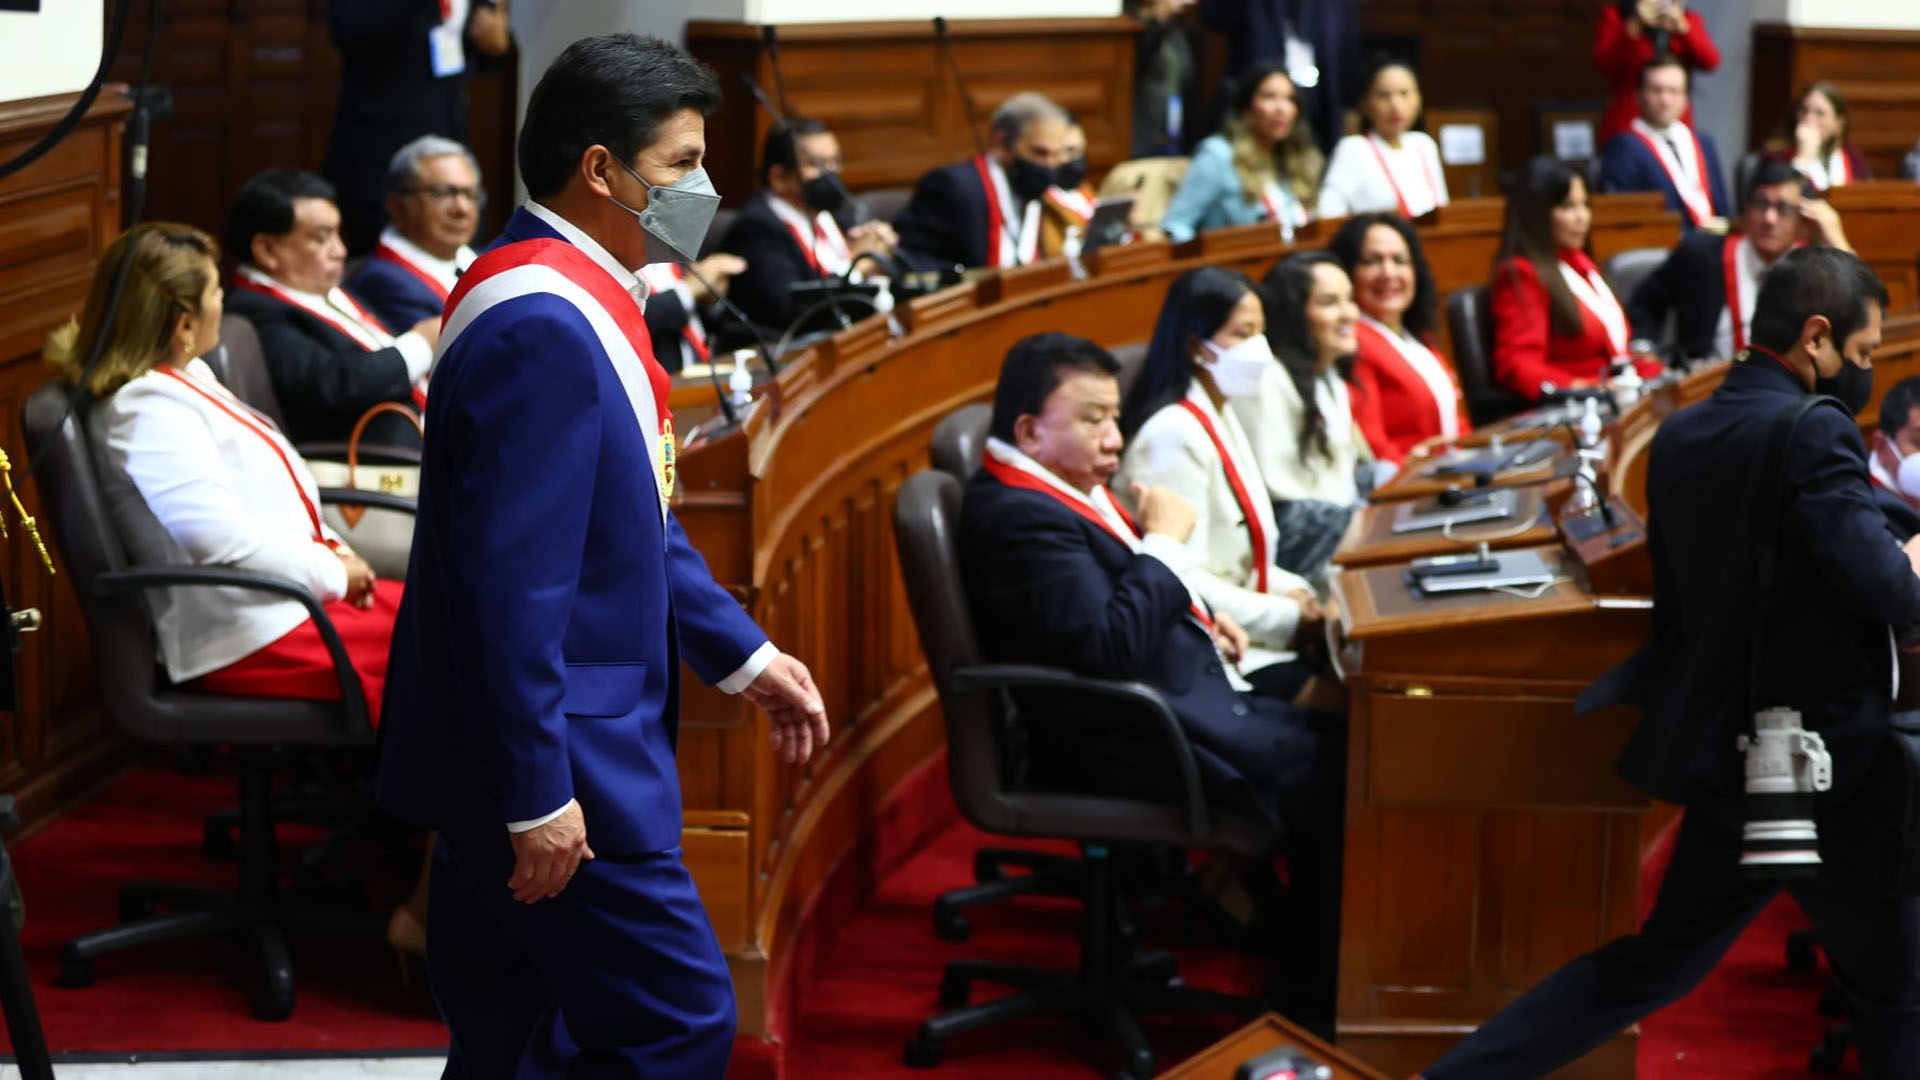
1486 459
1524 569
1111 223
1486 504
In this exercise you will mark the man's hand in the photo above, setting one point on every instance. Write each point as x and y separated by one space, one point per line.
545 858
874 237
429 329
718 268
1822 224
490 29
1230 636
1163 512
360 579
1806 141
1912 548
786 692
1311 610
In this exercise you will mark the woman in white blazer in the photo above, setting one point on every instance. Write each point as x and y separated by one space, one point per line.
1208 347
1388 165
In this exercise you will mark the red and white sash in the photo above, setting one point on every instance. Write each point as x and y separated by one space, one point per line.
1738 306
667 277
439 279
1691 183
819 238
1017 470
1433 371
1075 206
1837 172
557 268
1256 530
263 429
1283 208
336 309
1592 291
1380 154
1007 244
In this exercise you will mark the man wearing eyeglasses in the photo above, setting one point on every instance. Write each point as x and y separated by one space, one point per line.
434 199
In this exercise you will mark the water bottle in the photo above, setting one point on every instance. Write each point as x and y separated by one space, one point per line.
740 379
883 303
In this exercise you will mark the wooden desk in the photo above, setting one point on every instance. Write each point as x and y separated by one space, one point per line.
1488 839
1411 483
1882 219
1371 541
1269 1032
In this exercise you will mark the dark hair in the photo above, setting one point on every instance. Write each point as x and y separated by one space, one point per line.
1896 409
1285 292
1346 244
1296 162
615 91
264 206
1813 281
1198 304
1034 368
782 145
1543 184
1834 98
1770 172
1666 60
1376 64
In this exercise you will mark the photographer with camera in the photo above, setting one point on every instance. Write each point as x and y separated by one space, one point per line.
1779 595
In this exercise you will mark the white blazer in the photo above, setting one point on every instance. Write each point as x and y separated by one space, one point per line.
1272 420
1172 450
222 497
1355 184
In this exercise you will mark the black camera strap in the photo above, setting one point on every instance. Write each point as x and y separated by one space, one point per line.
1770 491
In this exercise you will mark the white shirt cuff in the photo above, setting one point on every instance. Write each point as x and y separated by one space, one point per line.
1169 551
534 823
417 354
744 675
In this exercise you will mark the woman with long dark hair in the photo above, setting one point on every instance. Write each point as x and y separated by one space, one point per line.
1556 322
1390 164
1406 393
1301 420
1816 139
1263 167
1209 348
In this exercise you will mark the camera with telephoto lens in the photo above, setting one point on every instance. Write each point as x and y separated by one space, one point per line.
1786 766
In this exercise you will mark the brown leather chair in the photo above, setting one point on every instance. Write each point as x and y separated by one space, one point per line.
259 732
1131 357
1470 325
959 439
984 764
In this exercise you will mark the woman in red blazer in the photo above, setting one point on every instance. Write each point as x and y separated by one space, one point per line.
1556 322
1403 392
1630 33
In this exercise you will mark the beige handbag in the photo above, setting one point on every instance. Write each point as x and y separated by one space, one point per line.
379 535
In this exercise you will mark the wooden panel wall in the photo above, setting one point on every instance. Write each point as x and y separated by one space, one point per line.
1877 71
890 97
55 216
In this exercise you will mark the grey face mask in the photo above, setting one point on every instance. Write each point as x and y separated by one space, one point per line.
676 218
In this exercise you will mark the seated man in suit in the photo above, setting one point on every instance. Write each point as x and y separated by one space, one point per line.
1661 153
680 307
330 359
986 211
1056 574
434 199
1070 201
1709 282
789 232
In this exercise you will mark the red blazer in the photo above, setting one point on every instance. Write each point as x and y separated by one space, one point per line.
1856 161
1620 56
1392 404
1526 351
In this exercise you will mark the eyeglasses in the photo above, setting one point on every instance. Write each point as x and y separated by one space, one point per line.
1765 206
446 193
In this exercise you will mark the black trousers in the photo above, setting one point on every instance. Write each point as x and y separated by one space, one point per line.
1704 903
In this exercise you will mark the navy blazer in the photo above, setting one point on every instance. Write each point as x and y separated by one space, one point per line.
1627 165
945 223
536 655
1691 286
392 292
775 261
1046 586
1841 582
324 379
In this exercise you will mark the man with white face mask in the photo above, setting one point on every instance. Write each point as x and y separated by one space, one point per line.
1210 347
1893 458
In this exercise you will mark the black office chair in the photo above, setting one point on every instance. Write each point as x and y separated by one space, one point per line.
985 765
1625 271
1470 325
260 732
885 203
16 989
1743 171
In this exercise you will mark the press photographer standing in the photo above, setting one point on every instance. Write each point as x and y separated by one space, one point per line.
1815 634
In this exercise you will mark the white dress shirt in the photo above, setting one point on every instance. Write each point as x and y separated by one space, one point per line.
1748 269
444 271
340 311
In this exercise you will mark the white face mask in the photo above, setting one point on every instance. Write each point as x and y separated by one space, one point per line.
1237 371
1909 477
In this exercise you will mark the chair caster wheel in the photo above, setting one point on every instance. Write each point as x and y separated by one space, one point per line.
1801 953
986 869
271 1004
217 841
922 1052
133 908
955 991
75 970
1826 1059
949 923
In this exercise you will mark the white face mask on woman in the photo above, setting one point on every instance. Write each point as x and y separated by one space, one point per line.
1236 371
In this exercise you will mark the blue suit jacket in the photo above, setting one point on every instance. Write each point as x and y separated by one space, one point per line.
536 654
1627 165
394 294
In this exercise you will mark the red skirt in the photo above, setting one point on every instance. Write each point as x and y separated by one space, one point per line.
297 665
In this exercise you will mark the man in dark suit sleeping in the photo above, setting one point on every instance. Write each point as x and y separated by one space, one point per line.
1056 574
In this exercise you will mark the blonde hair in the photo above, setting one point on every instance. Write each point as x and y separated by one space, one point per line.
170 268
1296 162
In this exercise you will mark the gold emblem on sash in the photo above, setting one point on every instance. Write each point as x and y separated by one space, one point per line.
666 460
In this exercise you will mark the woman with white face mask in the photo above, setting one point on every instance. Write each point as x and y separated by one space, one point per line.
1209 348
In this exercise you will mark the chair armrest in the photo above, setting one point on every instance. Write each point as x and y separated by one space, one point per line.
1034 676
355 497
370 453
353 696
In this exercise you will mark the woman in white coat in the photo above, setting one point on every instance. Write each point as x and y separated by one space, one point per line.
1210 346
1389 165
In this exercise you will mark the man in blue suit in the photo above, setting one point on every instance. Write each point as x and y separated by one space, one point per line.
1661 153
434 199
533 686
